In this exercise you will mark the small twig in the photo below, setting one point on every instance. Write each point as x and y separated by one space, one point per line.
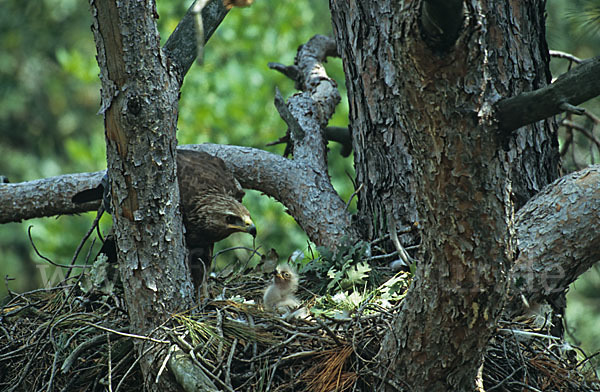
291 71
296 130
85 238
130 335
329 331
109 362
228 365
353 194
401 251
583 130
208 372
170 351
564 55
254 251
133 365
96 340
53 371
47 259
273 373
595 119
219 328
567 107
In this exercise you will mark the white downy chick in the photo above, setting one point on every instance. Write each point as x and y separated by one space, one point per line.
279 295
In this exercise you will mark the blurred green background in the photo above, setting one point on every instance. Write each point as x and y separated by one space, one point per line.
49 97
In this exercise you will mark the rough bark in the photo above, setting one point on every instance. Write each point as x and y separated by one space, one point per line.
553 250
181 48
46 197
139 103
425 140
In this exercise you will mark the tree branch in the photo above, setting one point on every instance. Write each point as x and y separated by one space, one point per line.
558 233
46 197
312 203
573 88
441 21
308 198
181 47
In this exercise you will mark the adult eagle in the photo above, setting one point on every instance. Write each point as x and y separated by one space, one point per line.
211 205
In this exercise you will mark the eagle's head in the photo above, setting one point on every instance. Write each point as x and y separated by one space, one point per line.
214 217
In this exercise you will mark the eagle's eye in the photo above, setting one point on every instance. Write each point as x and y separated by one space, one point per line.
232 219
285 275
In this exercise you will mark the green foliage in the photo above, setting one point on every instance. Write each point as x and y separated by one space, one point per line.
50 94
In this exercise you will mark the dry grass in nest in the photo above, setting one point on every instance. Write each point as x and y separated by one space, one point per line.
62 339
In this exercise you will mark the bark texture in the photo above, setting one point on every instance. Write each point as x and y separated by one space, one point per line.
139 103
46 197
427 149
552 256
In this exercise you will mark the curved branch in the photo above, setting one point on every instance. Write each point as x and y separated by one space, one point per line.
572 88
312 201
558 233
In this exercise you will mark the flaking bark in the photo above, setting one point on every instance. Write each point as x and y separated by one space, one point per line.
139 104
427 150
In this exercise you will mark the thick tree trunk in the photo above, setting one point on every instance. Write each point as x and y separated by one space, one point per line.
139 103
427 149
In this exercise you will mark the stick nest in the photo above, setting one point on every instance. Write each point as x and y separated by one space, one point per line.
71 339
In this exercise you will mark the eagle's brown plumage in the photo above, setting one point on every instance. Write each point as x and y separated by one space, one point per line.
211 207
210 202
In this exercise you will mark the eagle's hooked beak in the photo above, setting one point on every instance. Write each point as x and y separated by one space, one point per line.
243 224
250 228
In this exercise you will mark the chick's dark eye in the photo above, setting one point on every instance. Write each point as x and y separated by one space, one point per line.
232 219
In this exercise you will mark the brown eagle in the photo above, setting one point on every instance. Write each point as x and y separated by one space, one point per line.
210 202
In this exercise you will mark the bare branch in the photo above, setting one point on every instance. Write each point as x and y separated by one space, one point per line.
46 197
308 198
567 56
310 201
573 88
182 46
558 234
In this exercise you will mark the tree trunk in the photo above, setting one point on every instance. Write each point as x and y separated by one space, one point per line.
139 103
427 149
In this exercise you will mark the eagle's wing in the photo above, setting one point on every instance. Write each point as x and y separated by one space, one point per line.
200 172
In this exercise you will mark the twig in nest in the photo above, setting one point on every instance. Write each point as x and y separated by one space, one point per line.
85 237
47 259
229 360
130 335
164 363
